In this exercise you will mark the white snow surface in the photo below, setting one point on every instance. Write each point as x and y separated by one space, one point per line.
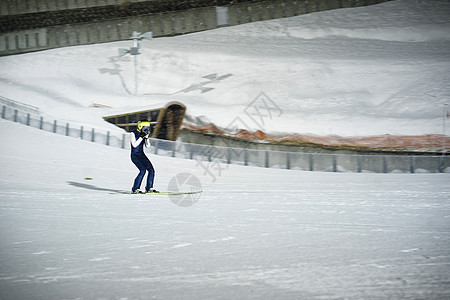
254 233
382 69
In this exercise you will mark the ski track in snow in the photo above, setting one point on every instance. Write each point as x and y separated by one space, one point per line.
254 233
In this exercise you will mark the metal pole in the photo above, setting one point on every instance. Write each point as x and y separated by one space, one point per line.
136 45
266 159
444 125
311 162
288 160
135 75
245 157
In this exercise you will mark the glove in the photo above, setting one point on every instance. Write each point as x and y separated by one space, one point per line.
145 134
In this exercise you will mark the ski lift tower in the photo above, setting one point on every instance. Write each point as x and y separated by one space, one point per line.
134 51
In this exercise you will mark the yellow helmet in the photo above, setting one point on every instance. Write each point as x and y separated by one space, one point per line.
143 125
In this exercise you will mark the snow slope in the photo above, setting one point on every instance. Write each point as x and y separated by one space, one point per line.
360 71
254 233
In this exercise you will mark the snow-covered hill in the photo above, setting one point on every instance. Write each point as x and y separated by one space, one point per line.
360 71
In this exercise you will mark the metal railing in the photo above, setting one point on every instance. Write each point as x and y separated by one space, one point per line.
210 156
39 37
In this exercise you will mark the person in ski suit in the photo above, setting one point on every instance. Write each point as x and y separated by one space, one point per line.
138 139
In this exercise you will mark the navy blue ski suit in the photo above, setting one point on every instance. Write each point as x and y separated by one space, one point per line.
141 161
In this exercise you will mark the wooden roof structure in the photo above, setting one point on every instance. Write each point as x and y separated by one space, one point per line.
165 122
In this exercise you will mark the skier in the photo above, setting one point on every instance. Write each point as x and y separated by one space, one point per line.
138 139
